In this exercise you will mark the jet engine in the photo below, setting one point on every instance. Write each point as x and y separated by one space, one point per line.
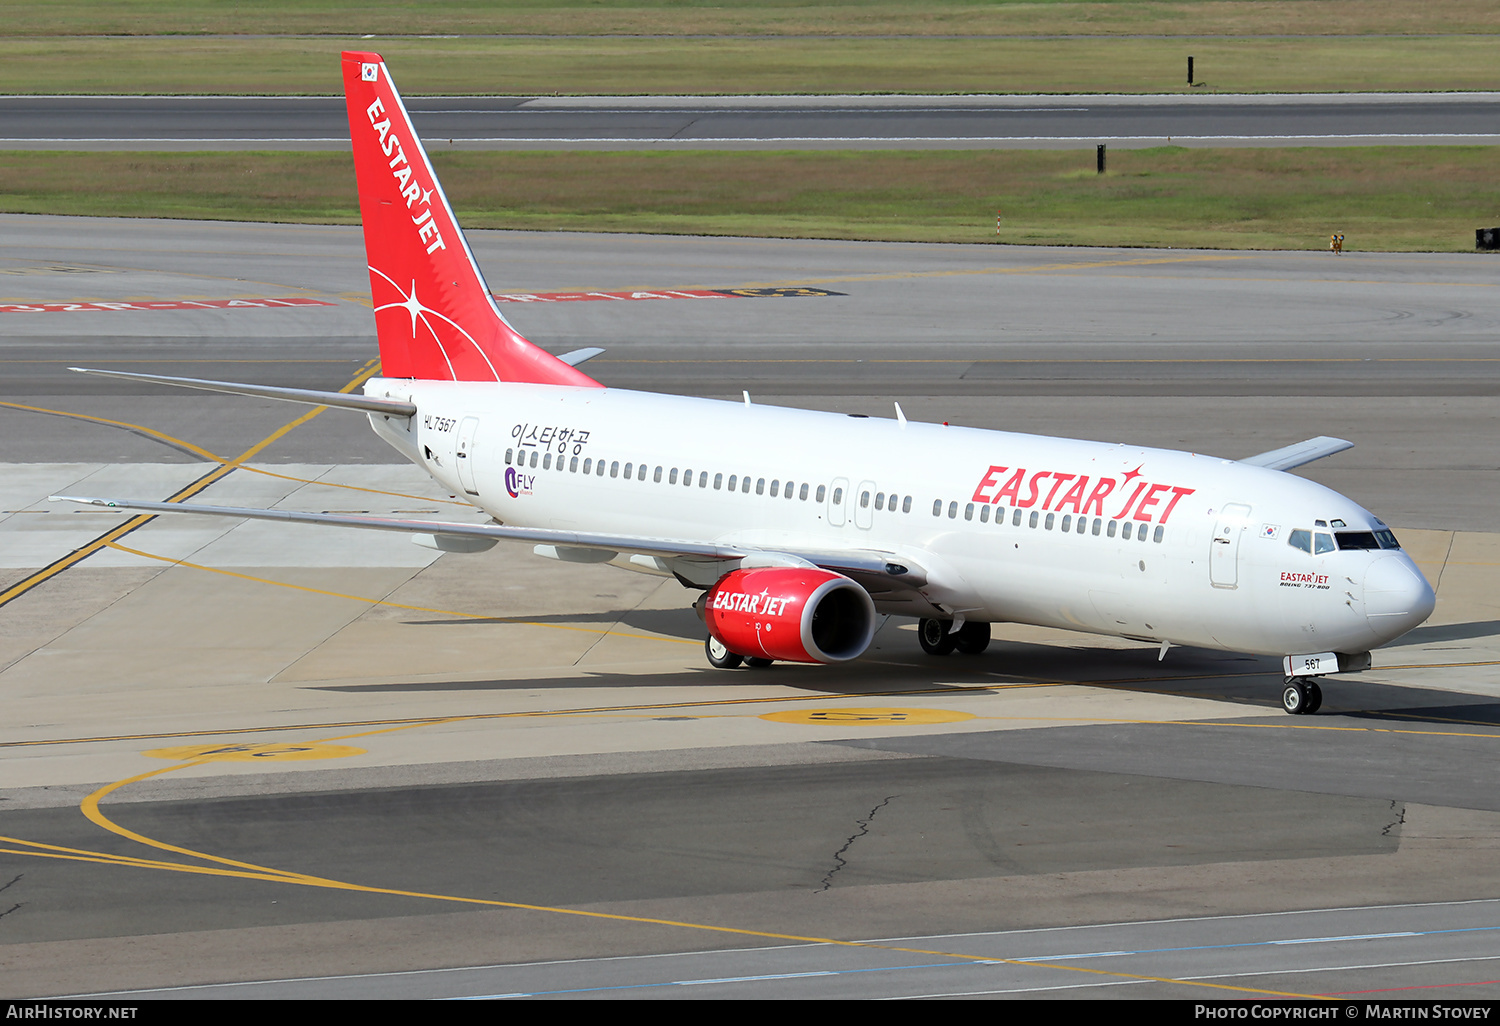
790 613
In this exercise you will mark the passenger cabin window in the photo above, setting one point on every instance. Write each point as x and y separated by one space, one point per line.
838 496
937 507
906 504
656 478
802 492
822 491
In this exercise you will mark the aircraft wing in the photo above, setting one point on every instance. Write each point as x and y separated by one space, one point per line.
865 561
1299 453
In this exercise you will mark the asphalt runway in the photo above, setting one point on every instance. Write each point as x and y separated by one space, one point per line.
253 760
749 122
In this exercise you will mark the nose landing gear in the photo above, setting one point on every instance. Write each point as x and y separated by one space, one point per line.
1301 697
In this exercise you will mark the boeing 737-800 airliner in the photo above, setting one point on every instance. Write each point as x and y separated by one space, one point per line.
801 528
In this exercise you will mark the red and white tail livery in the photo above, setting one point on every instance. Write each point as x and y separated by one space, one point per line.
433 312
800 528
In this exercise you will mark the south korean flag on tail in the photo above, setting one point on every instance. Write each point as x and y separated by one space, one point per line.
369 72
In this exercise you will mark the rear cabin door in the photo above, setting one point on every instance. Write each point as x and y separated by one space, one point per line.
465 454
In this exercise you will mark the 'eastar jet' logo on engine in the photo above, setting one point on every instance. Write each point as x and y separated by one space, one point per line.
402 170
1078 492
743 602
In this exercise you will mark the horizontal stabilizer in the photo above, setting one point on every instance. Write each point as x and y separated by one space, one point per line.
343 400
578 356
1299 453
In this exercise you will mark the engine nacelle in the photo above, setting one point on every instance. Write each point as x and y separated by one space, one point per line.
798 615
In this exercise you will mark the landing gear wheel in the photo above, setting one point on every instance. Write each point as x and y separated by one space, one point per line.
1295 698
1314 698
972 638
757 663
719 655
934 636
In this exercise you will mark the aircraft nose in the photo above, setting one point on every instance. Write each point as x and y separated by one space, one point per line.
1397 596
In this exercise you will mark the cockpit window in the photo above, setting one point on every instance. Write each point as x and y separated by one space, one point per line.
1381 539
1322 543
1300 539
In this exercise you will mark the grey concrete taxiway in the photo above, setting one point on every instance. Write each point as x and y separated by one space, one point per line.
759 122
252 760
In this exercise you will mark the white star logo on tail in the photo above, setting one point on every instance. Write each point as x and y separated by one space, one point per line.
413 306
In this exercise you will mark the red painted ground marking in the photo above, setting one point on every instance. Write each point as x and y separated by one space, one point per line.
162 304
589 297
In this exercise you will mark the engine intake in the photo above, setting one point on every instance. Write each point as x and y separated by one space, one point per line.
793 614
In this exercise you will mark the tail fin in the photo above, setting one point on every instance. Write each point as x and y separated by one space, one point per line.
433 312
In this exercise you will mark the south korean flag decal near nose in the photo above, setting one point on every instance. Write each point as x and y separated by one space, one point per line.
369 72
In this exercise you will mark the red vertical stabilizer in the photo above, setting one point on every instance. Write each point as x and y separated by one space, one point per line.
433 312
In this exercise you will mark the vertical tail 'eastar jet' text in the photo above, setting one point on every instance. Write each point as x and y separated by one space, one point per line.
802 528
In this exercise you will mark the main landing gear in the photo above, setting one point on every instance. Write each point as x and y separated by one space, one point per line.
719 655
1301 697
938 638
721 658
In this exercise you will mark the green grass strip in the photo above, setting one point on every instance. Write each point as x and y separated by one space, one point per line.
763 17
1381 198
522 66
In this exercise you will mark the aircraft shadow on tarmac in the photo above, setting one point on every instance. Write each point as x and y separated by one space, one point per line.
1452 632
899 665
671 623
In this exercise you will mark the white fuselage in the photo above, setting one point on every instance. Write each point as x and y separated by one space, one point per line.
992 519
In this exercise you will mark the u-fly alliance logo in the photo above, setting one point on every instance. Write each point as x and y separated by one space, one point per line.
518 484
